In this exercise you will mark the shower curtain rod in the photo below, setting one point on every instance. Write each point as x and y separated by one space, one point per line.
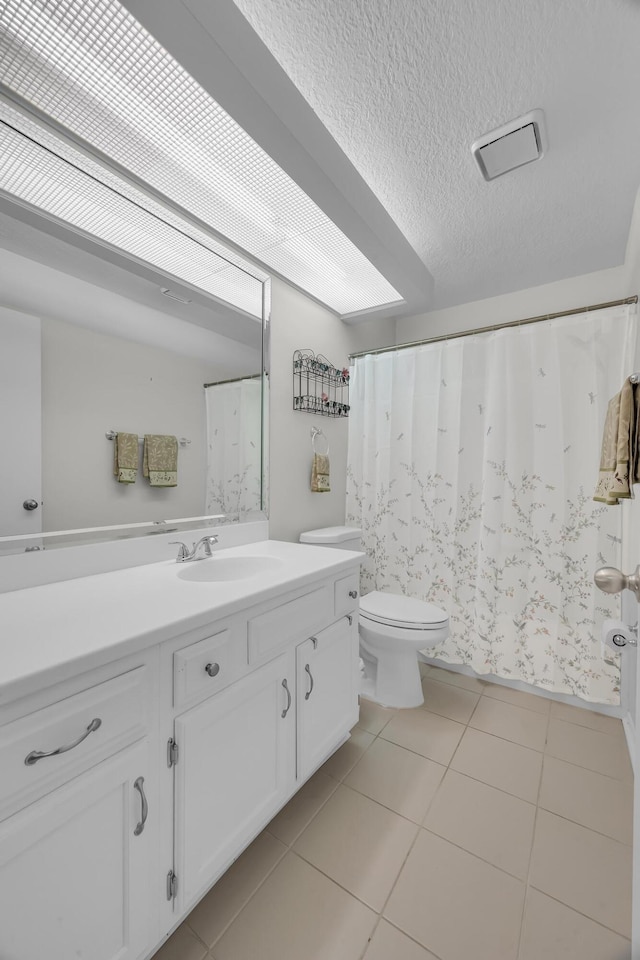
496 326
218 383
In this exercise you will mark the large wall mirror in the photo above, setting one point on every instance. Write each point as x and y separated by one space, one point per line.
90 348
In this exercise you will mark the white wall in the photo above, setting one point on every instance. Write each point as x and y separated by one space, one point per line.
92 383
598 287
298 323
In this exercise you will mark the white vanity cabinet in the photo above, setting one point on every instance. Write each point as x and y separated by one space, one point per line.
326 681
127 789
243 751
75 880
235 768
78 862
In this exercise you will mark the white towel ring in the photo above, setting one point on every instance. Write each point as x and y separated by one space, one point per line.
318 436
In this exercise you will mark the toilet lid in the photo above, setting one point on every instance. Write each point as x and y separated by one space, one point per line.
397 610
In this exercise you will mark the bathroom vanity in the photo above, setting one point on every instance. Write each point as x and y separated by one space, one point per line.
152 721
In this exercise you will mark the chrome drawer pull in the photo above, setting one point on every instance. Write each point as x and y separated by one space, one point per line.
213 669
36 755
353 594
310 690
139 786
286 709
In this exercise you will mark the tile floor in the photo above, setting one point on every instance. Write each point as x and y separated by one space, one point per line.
488 824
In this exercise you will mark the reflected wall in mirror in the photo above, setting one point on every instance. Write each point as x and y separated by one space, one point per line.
118 360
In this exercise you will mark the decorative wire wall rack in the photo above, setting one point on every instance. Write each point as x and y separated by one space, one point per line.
318 386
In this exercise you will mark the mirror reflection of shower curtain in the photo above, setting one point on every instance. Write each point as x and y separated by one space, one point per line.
234 413
472 463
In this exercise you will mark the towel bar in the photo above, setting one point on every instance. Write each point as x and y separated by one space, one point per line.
112 434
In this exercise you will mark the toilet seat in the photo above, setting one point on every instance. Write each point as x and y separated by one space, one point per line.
397 610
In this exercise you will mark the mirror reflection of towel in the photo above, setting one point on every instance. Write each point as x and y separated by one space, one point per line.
125 457
320 474
160 460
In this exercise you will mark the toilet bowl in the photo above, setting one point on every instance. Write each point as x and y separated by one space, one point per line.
392 629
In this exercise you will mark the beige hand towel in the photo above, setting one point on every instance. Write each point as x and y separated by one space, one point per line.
619 458
160 460
125 457
320 474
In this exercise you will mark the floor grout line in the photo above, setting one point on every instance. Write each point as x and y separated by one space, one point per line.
533 841
379 735
384 906
580 913
238 912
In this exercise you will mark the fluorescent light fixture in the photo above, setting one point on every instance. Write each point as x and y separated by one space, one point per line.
41 169
92 68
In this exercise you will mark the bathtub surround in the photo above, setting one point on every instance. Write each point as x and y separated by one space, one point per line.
471 467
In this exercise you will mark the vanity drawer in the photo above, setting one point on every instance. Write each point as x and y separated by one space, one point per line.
269 633
122 706
202 668
347 591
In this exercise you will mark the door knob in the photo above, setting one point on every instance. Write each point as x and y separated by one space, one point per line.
30 504
612 580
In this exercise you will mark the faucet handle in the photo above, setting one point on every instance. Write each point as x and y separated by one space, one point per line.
183 552
207 543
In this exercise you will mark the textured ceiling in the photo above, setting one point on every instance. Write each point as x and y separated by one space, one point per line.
405 86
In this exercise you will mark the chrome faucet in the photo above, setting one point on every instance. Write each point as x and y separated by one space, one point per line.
184 554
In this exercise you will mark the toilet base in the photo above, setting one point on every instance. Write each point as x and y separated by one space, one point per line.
392 680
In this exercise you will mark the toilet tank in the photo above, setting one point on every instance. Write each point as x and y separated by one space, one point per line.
344 538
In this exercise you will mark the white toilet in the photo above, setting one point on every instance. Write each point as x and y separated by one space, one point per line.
392 629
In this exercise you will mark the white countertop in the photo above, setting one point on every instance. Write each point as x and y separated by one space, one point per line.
50 632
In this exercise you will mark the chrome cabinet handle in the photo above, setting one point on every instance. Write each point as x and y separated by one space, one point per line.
286 709
353 594
139 786
36 755
310 690
30 504
213 669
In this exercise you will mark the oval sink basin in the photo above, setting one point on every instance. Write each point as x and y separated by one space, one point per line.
226 568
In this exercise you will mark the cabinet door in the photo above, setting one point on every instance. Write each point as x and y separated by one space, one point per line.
74 879
327 706
236 767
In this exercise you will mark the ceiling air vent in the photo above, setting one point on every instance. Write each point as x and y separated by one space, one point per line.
518 142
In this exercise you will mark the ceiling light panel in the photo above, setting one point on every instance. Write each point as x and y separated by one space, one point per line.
94 69
48 174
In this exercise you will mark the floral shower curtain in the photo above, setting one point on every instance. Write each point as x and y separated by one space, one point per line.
472 463
234 414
